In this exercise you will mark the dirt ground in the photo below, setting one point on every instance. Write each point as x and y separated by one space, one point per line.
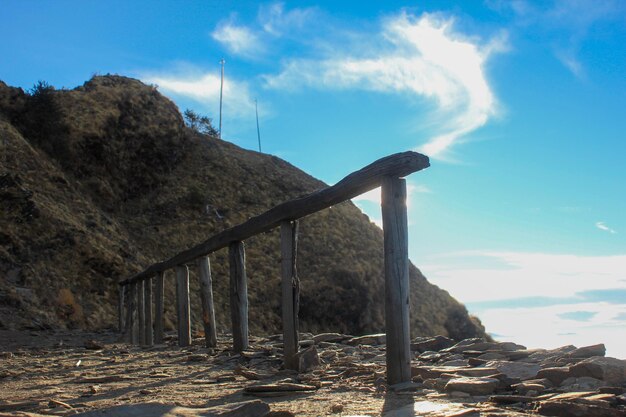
64 373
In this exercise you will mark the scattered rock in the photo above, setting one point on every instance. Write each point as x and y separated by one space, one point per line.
436 343
336 408
473 386
330 337
255 408
519 370
280 387
584 383
372 339
610 370
93 345
573 409
588 351
556 375
308 359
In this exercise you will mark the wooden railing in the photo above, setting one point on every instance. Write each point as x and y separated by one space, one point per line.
136 296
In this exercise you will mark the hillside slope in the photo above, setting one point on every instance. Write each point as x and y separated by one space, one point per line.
98 182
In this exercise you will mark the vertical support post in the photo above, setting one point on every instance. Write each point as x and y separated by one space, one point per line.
290 291
238 295
120 308
396 251
159 309
206 299
132 307
141 309
148 339
182 305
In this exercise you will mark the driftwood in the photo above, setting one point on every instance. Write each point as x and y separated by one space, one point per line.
359 182
395 231
182 305
238 296
158 307
206 299
290 291
148 333
141 310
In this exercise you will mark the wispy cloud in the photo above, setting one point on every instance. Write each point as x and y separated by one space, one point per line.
277 21
239 40
604 227
567 21
204 88
423 57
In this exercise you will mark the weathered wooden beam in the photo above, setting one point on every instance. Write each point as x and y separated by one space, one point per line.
120 308
368 178
158 307
238 296
290 292
148 335
141 309
182 305
395 231
206 299
132 311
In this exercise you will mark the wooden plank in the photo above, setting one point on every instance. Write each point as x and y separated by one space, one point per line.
120 308
182 305
290 292
238 296
132 312
206 299
158 307
359 182
142 311
396 252
148 335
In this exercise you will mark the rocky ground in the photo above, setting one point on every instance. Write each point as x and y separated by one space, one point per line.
60 373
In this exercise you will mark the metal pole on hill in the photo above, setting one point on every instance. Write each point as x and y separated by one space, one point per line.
258 131
222 62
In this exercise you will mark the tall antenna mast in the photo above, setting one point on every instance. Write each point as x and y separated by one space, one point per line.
258 132
222 62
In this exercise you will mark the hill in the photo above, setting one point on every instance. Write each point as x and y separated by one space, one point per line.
100 181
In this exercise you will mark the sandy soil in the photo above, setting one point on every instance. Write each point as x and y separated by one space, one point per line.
63 373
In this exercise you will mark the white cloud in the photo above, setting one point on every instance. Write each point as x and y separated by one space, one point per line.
239 40
423 57
513 275
604 227
204 89
277 21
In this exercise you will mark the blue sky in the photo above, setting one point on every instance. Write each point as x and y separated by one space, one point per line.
521 106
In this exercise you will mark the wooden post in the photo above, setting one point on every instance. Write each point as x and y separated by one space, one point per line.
206 299
132 307
182 305
238 295
395 232
148 339
158 306
120 308
290 292
141 311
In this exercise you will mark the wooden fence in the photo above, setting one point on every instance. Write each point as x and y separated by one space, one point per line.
136 297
